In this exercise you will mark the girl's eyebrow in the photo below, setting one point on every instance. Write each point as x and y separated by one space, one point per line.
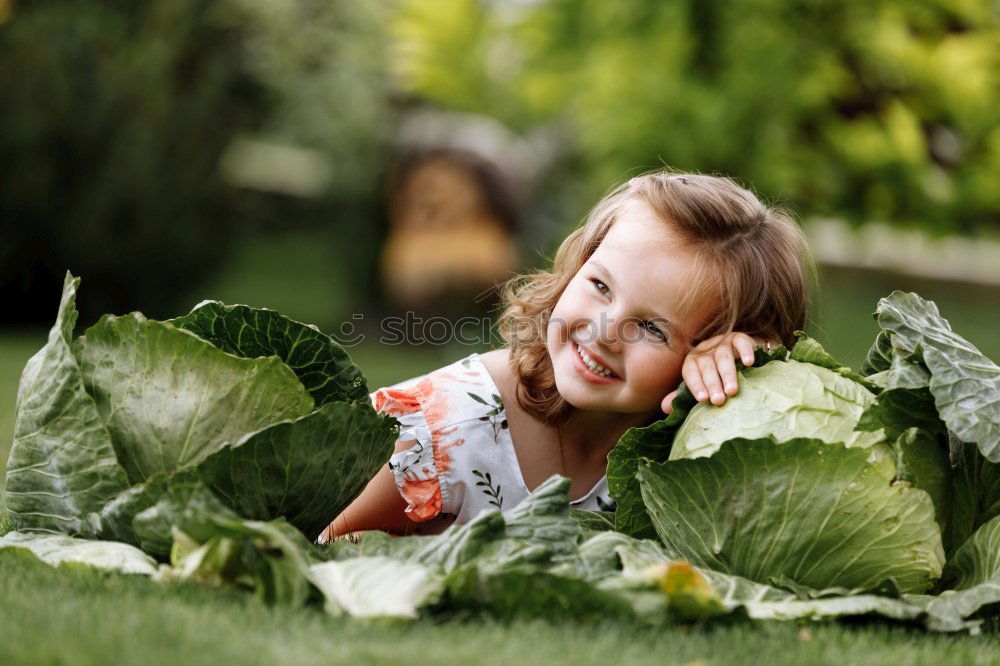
673 330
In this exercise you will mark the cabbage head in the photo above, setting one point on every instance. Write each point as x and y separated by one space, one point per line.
782 400
781 486
267 413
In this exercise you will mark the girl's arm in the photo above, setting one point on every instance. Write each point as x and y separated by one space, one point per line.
709 369
378 507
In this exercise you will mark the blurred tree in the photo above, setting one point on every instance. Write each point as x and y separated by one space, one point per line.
323 65
883 110
115 119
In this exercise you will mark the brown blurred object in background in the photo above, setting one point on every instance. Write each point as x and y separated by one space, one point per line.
452 216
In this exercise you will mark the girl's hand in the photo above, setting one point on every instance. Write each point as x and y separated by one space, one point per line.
709 369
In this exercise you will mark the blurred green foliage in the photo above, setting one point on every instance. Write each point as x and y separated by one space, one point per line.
880 110
116 115
118 121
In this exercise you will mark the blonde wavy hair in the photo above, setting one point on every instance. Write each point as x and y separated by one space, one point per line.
750 256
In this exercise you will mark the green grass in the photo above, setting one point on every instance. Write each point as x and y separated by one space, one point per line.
68 616
294 273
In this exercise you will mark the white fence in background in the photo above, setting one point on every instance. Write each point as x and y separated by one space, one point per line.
907 251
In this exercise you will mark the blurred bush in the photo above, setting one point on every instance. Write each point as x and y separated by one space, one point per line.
884 110
116 117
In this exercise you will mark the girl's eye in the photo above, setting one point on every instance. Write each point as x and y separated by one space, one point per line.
651 327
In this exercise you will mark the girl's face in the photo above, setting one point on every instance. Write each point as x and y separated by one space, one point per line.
620 309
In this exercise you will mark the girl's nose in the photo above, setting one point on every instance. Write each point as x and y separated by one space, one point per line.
609 333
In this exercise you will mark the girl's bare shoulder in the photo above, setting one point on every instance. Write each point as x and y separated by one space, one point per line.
496 364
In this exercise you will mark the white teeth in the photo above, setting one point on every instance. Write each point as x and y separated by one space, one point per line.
592 364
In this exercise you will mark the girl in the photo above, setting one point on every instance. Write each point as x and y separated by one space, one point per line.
672 276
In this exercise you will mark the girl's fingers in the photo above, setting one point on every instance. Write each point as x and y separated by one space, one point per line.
744 344
710 369
726 365
710 377
692 377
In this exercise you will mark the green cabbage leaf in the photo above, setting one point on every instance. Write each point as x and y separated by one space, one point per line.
268 414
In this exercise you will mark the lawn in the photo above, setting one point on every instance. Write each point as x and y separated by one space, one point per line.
72 616
67 616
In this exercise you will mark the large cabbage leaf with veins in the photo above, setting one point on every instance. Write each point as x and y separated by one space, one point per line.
780 483
268 413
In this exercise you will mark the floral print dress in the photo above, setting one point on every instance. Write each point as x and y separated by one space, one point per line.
462 460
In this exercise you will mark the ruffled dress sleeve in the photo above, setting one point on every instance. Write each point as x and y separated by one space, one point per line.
415 469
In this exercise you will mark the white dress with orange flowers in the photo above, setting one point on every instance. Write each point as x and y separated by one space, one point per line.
462 460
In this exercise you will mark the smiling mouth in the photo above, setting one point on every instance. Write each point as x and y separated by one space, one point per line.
593 365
